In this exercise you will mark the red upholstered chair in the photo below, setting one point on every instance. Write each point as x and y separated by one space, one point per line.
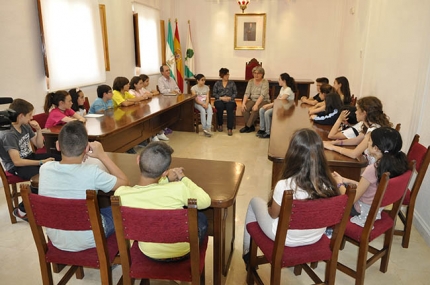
87 104
300 215
161 226
41 120
421 155
390 191
249 66
72 215
11 192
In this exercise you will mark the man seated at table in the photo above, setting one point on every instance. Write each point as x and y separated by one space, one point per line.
72 176
166 84
317 98
162 188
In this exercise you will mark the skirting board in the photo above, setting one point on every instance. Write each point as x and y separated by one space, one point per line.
422 227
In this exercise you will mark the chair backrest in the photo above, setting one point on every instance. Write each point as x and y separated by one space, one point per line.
41 119
249 66
160 226
353 100
398 126
421 155
87 104
313 214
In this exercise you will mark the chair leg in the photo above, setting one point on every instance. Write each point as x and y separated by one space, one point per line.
8 194
297 270
252 263
144 282
361 263
408 226
80 273
388 241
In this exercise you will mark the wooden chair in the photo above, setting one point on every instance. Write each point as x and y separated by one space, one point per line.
390 191
398 126
249 66
421 155
41 120
160 226
197 120
87 104
307 214
71 215
353 100
11 192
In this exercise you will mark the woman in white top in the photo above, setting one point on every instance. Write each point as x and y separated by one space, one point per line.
202 103
288 90
305 172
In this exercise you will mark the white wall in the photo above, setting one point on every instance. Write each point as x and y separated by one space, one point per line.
382 47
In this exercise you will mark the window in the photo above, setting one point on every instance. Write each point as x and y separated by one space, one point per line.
73 43
149 38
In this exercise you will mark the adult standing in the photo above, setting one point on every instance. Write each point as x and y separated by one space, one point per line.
167 84
256 95
225 92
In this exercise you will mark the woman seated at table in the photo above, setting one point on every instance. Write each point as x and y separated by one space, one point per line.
225 92
306 172
341 85
256 95
369 111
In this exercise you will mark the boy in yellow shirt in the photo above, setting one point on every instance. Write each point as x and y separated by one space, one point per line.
162 188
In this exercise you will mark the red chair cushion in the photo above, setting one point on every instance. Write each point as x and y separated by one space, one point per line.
143 267
87 258
292 255
407 198
12 178
379 227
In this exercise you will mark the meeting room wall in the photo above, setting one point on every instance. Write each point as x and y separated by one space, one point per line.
382 47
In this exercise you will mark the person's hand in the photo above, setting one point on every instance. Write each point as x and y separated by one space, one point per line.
255 108
243 107
225 98
205 105
96 149
179 172
35 125
337 177
313 117
83 120
303 98
48 159
328 145
266 107
171 175
344 115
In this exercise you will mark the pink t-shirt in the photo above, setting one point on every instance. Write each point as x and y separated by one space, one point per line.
370 175
56 115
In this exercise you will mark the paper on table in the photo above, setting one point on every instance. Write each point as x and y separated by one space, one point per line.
93 115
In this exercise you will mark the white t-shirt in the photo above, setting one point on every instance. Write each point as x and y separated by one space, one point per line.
286 91
295 237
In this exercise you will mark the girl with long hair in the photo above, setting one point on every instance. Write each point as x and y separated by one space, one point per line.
61 113
369 111
306 172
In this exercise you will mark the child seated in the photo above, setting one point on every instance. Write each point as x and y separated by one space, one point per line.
333 104
318 97
78 99
15 150
62 111
71 177
346 125
320 106
162 188
103 101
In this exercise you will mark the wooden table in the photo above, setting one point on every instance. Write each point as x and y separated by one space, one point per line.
222 212
290 116
303 86
122 128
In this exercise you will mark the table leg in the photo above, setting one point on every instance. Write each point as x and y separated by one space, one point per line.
217 245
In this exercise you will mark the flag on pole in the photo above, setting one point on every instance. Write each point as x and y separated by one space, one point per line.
189 55
170 55
178 57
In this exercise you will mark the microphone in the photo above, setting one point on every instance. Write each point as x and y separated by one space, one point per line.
5 100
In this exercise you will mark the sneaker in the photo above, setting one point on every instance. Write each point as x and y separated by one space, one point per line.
19 214
167 131
155 139
163 137
207 133
250 129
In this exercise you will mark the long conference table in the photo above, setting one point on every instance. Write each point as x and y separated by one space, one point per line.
289 116
122 128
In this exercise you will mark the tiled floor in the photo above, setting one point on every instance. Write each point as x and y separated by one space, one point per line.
19 260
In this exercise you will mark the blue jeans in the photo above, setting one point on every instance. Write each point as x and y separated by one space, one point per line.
205 116
265 119
107 221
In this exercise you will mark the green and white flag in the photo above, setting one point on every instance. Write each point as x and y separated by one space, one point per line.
170 55
189 56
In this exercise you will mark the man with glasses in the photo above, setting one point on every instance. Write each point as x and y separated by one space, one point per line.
166 84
